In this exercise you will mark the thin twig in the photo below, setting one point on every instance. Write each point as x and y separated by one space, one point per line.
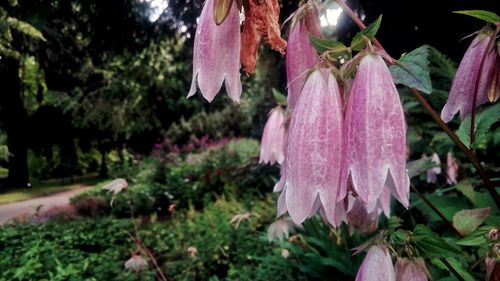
435 209
452 269
469 153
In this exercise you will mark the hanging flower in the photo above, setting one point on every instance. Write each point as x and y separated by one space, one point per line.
377 266
115 187
359 218
451 169
375 135
136 263
411 270
312 168
469 71
280 229
494 79
216 54
261 21
272 146
433 172
300 55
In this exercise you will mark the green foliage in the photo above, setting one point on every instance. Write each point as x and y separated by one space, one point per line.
484 121
334 48
358 43
430 245
466 221
412 70
487 16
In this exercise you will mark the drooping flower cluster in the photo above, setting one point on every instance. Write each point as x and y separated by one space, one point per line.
218 48
345 164
377 265
475 77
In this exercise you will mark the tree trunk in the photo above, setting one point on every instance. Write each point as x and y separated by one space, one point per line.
14 119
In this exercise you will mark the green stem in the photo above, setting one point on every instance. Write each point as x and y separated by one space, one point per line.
468 153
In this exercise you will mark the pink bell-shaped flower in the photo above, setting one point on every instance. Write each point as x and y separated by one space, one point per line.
469 71
375 135
411 270
377 266
312 168
272 146
433 172
300 55
451 169
216 54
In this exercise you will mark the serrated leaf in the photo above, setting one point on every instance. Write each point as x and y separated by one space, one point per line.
487 16
466 188
221 10
430 245
322 45
279 97
412 70
358 42
419 166
25 28
476 238
466 221
484 120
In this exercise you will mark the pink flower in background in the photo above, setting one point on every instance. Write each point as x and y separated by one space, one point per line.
433 172
300 55
377 266
359 218
491 263
216 54
272 145
469 71
375 135
136 263
451 169
312 168
411 270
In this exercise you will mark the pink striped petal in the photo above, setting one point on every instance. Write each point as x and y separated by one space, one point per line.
300 55
411 270
313 158
377 266
375 134
272 147
216 55
462 90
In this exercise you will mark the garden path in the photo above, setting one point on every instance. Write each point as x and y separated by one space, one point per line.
28 207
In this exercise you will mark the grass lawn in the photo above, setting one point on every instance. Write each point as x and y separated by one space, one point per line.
43 189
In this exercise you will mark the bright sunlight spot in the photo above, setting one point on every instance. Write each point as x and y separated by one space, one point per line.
157 7
331 17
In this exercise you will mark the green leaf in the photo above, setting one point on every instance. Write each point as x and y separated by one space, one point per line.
322 45
25 28
476 238
419 166
430 245
484 120
466 221
487 16
358 42
412 70
466 188
279 97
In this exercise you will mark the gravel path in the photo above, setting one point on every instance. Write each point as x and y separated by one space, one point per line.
13 210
